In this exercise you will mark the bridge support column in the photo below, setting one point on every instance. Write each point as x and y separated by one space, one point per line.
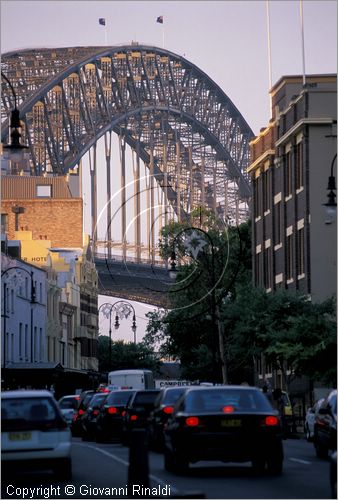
178 170
191 180
107 147
215 189
122 145
203 181
93 185
152 218
137 204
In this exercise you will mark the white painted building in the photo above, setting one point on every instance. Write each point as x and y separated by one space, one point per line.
23 313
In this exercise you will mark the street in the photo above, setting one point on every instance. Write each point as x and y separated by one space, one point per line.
101 471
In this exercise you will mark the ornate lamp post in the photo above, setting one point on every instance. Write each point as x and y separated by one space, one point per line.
107 310
123 310
16 280
15 150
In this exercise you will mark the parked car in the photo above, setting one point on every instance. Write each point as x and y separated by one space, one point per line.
309 424
109 419
325 427
163 408
85 398
34 434
69 406
138 409
231 424
89 417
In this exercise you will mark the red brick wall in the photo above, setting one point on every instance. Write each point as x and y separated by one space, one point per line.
58 220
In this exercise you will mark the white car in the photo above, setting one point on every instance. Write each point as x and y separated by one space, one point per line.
68 406
34 433
310 420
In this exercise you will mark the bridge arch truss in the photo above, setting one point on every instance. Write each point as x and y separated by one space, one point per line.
176 120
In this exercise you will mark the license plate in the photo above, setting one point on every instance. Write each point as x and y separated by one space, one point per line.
231 423
20 436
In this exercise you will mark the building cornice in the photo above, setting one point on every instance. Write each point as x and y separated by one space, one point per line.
300 124
260 159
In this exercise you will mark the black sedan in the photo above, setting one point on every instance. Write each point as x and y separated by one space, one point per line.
90 416
163 408
138 409
109 419
228 423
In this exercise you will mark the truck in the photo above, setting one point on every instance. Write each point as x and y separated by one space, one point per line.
131 379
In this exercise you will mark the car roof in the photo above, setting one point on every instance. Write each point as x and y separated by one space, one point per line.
31 393
217 387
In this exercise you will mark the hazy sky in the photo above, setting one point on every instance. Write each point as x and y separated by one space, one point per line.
226 39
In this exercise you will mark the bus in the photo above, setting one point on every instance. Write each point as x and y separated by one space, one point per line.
131 379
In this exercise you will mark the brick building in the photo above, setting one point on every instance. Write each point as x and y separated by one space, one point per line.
43 205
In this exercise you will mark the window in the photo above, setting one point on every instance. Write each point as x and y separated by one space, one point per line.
300 252
299 166
267 268
43 191
288 174
26 342
278 223
257 198
4 223
266 190
36 345
20 340
289 257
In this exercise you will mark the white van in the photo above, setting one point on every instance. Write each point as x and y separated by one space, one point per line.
131 379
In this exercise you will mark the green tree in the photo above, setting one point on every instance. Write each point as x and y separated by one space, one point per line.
125 355
214 260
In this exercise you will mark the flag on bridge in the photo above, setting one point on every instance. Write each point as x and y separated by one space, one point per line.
159 19
102 21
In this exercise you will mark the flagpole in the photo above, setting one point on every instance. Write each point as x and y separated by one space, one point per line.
302 33
163 36
269 48
105 35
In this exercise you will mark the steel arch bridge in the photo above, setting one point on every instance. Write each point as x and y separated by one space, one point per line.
192 140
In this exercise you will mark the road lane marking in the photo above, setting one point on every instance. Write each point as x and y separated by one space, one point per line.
300 461
124 462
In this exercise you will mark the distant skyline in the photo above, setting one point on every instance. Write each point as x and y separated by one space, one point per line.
228 40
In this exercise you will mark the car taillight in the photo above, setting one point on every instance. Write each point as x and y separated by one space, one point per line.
228 409
192 421
81 412
96 412
112 410
133 417
168 410
123 413
271 420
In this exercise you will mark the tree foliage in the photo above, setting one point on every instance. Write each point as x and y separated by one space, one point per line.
293 334
125 355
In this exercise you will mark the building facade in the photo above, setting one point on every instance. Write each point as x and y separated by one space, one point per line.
43 205
291 161
24 314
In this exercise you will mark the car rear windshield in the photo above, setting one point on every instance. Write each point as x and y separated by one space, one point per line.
97 400
68 403
215 400
28 413
146 397
172 396
119 398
